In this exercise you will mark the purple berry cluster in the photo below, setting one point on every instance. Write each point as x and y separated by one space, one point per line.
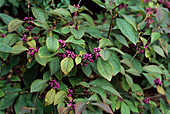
85 92
122 6
29 28
78 6
54 84
70 92
32 51
2 35
67 54
97 52
62 43
166 3
71 105
147 100
24 38
86 58
141 49
157 82
149 20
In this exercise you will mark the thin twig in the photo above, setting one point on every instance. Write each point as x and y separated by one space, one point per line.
79 2
28 7
142 89
111 21
134 56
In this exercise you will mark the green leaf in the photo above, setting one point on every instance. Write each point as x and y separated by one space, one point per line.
130 20
52 44
46 75
87 70
164 45
103 106
111 90
105 42
10 39
40 23
124 109
72 8
115 61
127 30
1 93
14 3
155 36
88 18
60 12
59 97
71 39
159 50
100 91
40 60
54 65
153 69
21 102
32 43
133 71
105 69
78 60
6 18
160 90
100 82
80 106
39 13
105 54
7 100
50 96
131 106
43 52
129 80
116 49
85 84
65 30
125 85
120 38
14 24
18 49
5 48
15 78
2 3
94 32
38 85
101 4
67 64
77 33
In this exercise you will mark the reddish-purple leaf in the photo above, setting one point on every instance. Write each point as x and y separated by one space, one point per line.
80 106
63 110
104 106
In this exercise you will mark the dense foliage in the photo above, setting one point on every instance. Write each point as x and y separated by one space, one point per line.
58 59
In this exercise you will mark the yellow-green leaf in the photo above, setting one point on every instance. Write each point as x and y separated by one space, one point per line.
67 64
50 96
14 24
59 97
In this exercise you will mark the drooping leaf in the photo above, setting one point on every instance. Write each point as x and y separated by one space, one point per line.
60 12
78 60
94 32
50 96
59 97
105 68
7 100
105 54
127 30
88 18
52 44
130 20
38 85
160 90
43 52
18 49
164 45
155 36
77 33
87 70
115 61
103 106
6 18
67 64
40 60
159 50
80 106
111 90
10 39
153 68
54 65
21 102
14 24
133 71
129 80
121 39
105 42
39 13
5 48
125 109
